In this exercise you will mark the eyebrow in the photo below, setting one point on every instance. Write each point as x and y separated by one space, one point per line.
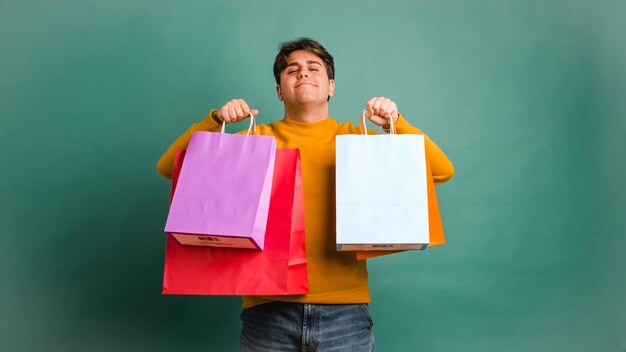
309 62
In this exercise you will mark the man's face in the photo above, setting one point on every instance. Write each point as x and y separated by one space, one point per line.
305 80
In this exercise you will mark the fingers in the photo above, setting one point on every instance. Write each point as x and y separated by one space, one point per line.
381 106
235 111
380 109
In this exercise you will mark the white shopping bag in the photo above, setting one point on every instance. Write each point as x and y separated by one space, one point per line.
381 192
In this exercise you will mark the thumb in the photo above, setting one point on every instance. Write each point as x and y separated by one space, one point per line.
254 112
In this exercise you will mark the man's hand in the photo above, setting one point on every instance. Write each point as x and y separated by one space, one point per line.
234 111
380 109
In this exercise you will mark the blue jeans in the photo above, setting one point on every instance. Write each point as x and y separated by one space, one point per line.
286 326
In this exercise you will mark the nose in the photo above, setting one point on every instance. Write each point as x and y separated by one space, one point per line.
302 74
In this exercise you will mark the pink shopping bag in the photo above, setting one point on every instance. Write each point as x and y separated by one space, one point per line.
223 192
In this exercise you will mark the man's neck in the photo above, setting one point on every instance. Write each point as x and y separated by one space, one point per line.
308 114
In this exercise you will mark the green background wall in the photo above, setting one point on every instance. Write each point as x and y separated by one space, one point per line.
526 98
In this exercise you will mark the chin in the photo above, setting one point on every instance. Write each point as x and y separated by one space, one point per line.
309 100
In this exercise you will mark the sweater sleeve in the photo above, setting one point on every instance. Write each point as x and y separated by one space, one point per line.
166 163
440 165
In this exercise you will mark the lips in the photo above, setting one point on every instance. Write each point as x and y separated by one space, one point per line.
306 84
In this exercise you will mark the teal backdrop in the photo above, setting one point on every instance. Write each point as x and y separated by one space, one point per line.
525 97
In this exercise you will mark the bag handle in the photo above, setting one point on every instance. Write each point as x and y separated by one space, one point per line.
392 128
252 123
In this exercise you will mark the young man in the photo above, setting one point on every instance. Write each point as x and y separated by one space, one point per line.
334 314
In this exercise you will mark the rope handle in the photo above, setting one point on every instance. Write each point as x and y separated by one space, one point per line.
252 123
392 128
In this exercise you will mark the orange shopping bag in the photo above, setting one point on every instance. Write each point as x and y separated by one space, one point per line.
434 221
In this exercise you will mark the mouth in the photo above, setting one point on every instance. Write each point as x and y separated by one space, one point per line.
305 84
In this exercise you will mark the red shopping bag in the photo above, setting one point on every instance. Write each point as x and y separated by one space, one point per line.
435 226
280 269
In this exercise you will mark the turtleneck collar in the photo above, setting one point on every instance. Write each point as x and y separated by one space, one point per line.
323 124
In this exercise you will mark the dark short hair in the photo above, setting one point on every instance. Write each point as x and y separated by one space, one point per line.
306 44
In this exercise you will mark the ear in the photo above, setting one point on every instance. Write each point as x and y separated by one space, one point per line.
279 93
331 87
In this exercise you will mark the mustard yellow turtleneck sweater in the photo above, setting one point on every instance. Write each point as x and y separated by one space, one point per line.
334 277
